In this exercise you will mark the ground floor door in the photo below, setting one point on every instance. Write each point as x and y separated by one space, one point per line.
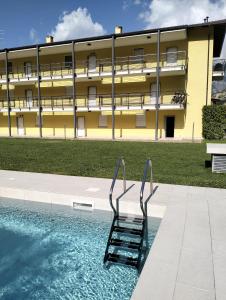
20 125
81 127
170 125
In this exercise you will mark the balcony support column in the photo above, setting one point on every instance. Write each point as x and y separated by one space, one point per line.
39 91
113 86
7 91
157 88
74 90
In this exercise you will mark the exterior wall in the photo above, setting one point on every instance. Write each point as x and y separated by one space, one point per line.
197 80
31 128
4 131
60 125
188 122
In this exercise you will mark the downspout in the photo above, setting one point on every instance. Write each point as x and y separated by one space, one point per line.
208 62
74 90
39 92
113 86
7 92
157 92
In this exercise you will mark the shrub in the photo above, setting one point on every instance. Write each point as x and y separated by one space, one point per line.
213 121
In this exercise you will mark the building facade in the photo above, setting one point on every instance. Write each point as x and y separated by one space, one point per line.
146 85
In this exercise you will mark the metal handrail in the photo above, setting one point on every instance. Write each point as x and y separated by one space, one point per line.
148 166
102 100
120 163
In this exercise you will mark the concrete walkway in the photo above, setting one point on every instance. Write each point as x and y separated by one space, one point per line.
188 258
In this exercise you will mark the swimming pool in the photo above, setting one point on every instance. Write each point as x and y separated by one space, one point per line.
56 252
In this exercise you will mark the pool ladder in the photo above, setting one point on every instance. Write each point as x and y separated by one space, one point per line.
123 236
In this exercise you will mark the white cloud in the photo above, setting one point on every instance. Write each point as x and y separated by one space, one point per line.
163 13
34 36
125 5
76 24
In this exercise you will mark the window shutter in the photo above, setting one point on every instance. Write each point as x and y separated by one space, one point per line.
140 120
171 56
102 121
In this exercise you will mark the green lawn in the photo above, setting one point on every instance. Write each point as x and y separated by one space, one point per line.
176 163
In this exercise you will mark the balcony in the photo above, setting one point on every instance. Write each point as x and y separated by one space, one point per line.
219 68
171 63
130 101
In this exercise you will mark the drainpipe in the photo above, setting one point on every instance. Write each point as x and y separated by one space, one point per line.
39 91
74 91
157 91
208 62
113 86
7 90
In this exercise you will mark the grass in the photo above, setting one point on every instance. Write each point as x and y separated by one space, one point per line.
175 163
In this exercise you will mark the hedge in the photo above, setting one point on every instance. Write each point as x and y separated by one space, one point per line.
213 121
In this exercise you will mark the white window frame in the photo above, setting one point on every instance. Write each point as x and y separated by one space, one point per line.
153 93
141 55
103 121
169 50
141 120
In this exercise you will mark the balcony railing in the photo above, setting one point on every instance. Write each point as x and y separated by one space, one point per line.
168 60
127 100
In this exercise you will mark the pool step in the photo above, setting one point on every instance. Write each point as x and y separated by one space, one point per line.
132 231
121 259
131 220
125 244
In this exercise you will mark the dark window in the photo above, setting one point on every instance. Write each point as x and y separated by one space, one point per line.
68 61
10 67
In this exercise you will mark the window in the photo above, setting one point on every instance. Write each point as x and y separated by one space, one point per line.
27 68
102 121
139 53
140 121
10 67
69 91
38 121
154 93
92 63
68 61
171 56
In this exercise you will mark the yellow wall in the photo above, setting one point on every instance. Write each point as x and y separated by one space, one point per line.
188 122
4 131
197 80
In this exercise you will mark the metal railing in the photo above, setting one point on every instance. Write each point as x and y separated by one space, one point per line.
147 167
120 164
126 100
124 63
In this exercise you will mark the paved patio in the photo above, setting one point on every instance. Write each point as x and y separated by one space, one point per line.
187 259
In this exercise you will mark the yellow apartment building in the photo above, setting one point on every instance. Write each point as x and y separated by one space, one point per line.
144 85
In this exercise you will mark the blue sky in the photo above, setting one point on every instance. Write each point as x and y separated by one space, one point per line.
25 22
43 15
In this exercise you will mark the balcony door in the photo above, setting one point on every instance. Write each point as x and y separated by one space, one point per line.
29 98
92 95
92 63
27 69
153 96
171 56
20 125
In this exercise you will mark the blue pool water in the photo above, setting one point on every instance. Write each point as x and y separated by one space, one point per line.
54 252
